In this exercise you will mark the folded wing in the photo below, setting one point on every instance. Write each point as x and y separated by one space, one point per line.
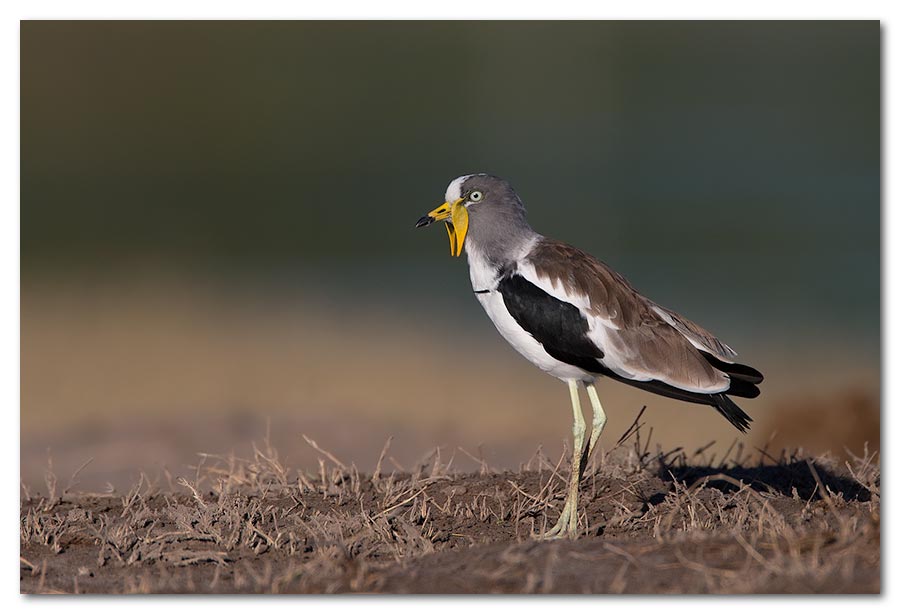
586 314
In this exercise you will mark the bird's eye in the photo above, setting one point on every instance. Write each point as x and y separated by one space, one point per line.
476 196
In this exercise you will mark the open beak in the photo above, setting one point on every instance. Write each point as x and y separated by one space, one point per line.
456 218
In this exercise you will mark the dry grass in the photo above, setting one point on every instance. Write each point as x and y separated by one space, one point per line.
653 522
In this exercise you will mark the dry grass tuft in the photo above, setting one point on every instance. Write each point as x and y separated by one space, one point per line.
653 522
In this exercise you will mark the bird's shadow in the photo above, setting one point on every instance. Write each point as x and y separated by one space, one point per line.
801 477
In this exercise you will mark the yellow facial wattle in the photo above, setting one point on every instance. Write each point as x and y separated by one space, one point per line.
456 218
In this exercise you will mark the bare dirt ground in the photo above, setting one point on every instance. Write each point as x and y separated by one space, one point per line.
652 522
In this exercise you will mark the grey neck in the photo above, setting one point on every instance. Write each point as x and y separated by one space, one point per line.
500 242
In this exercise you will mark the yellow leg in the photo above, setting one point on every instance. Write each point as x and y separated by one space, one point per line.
597 424
567 525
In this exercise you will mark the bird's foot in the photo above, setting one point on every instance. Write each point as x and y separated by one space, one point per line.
565 527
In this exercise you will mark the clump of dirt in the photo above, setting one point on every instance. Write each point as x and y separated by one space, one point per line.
652 523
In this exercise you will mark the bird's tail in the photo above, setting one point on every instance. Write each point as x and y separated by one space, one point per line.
731 411
725 406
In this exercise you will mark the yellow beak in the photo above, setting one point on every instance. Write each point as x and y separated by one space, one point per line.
456 217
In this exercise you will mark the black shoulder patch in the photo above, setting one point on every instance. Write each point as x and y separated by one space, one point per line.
557 325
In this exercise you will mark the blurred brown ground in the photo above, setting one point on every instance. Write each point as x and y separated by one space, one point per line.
145 375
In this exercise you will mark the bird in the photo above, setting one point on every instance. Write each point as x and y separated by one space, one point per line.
578 320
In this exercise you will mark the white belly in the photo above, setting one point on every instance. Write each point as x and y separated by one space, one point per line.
485 278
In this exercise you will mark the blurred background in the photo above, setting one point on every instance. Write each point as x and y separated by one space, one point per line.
217 230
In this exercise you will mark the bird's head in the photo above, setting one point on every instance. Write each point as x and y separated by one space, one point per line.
474 202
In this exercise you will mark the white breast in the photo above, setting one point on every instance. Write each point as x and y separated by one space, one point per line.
484 277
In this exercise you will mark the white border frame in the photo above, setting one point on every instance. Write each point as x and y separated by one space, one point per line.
460 9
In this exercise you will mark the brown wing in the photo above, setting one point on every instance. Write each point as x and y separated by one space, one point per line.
640 339
697 335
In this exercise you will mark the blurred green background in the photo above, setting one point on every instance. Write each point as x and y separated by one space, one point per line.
217 221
